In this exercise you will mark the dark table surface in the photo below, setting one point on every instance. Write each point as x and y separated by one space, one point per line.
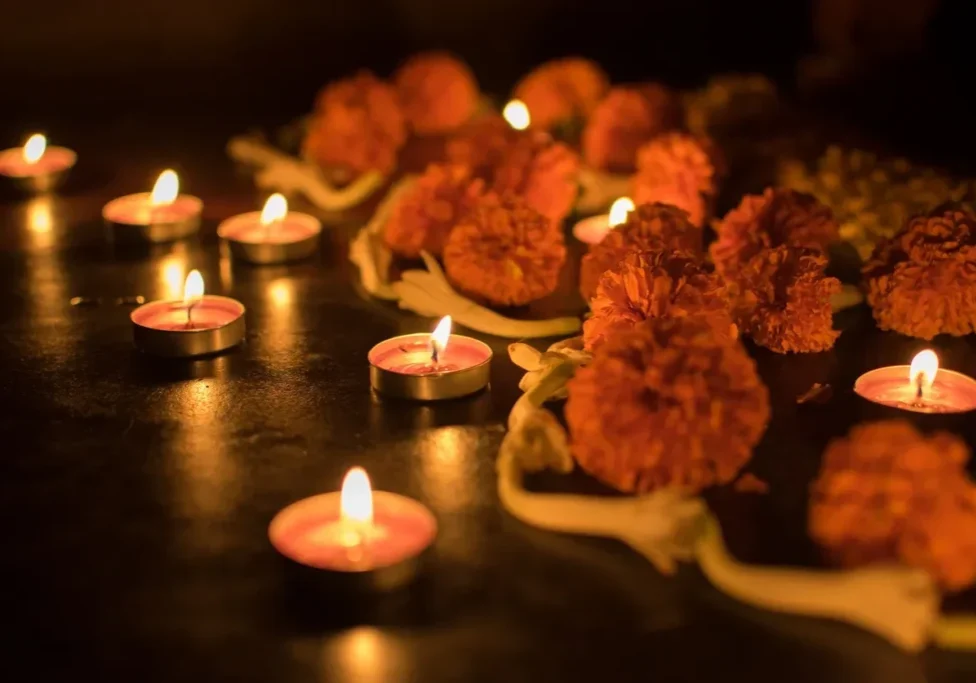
136 493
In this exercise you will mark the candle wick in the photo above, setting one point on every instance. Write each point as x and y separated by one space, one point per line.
189 315
918 385
434 354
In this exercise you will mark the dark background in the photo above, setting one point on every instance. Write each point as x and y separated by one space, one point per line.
903 68
273 55
262 55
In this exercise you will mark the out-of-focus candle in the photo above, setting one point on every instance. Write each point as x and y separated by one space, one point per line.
430 367
592 230
517 115
36 166
922 387
162 215
375 537
197 325
272 235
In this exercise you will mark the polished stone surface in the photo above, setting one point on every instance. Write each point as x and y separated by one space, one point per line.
136 492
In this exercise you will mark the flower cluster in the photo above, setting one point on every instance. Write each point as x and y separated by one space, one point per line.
358 126
650 227
626 119
657 285
541 171
874 197
677 169
921 281
888 493
437 91
504 252
562 90
784 300
668 402
425 215
482 144
771 219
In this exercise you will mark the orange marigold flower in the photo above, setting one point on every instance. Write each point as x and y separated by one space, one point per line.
776 217
425 215
357 126
668 402
504 252
886 492
562 89
437 91
482 144
677 169
657 285
784 300
626 119
543 172
649 227
921 281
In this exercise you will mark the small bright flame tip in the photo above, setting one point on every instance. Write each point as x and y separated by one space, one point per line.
619 210
924 368
356 498
274 209
441 334
193 286
517 115
166 189
34 148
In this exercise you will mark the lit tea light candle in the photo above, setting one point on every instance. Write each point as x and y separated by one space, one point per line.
272 235
517 115
374 539
36 166
430 367
162 215
592 230
197 325
922 387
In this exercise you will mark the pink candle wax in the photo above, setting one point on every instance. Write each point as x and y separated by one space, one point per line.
54 160
412 355
209 312
592 230
247 227
951 392
136 209
311 532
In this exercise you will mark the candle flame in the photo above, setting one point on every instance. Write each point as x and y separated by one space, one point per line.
166 189
440 336
619 210
193 287
517 115
274 209
925 366
34 148
356 499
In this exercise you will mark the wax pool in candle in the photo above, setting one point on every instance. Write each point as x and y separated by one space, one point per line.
898 386
592 230
163 205
197 326
137 209
25 162
275 224
430 367
206 313
411 355
320 531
